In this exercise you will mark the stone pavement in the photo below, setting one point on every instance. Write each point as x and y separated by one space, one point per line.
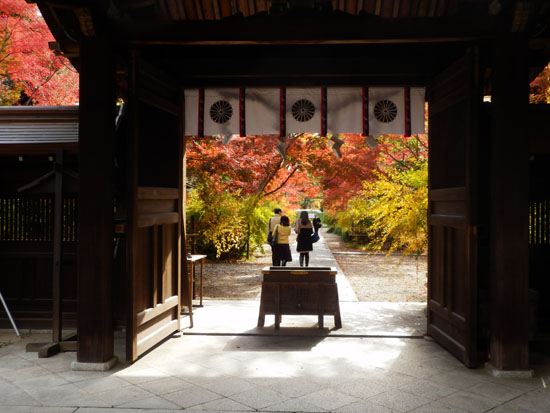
378 362
245 373
359 319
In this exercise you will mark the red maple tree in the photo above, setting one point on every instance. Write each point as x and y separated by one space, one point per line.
295 168
31 73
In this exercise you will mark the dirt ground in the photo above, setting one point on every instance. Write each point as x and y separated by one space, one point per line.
373 277
379 277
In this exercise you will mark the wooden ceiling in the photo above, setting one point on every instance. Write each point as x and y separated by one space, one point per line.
274 42
220 9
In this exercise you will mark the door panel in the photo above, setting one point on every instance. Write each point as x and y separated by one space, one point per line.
156 268
452 211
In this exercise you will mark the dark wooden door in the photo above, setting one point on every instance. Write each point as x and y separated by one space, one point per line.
156 268
454 101
154 209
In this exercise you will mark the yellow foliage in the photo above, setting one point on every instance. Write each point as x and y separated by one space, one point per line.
392 210
225 221
221 224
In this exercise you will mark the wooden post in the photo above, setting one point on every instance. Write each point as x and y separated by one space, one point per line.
186 293
57 314
95 245
182 230
509 346
132 153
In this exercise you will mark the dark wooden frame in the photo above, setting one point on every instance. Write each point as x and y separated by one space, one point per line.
510 45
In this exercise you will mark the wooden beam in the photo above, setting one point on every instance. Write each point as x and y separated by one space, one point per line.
95 249
509 341
315 65
350 30
301 81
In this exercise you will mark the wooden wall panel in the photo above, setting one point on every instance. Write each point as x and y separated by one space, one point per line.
26 284
144 269
169 260
449 120
458 272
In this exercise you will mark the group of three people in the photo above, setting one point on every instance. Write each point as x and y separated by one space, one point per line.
279 226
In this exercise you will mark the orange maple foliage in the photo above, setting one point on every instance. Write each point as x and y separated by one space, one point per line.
252 166
31 73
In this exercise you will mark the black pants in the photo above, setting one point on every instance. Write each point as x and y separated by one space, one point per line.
304 257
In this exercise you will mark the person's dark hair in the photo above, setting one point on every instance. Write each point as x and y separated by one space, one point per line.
285 222
277 211
304 217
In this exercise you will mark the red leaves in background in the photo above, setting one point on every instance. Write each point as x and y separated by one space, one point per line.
30 73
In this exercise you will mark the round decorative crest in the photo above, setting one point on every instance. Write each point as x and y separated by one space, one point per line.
385 111
221 111
303 110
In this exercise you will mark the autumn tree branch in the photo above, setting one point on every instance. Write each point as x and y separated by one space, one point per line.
282 184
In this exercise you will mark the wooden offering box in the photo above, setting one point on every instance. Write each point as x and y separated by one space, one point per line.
299 291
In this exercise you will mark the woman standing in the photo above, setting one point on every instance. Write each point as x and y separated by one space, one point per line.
304 228
281 250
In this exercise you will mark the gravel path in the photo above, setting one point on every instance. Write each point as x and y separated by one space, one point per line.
373 277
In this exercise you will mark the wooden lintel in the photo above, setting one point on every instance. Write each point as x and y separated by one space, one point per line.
291 31
305 81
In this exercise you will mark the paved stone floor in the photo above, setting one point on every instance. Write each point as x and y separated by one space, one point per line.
238 372
379 362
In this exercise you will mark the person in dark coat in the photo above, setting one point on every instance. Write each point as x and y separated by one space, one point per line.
304 228
316 223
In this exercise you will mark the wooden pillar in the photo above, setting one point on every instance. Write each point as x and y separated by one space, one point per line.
95 244
509 346
183 285
57 311
132 250
185 292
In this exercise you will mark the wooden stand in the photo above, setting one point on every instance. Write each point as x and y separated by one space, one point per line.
191 264
299 291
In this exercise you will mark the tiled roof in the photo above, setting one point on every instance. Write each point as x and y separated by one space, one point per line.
38 125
